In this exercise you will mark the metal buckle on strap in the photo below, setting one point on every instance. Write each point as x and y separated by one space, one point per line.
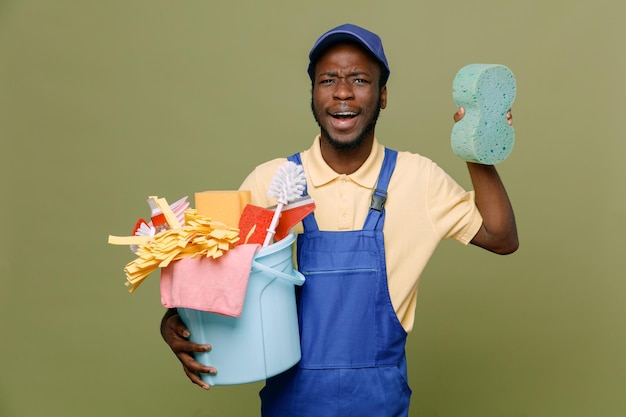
378 200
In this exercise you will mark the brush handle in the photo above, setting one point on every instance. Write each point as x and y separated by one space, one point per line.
272 229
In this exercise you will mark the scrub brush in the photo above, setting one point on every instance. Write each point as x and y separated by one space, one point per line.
287 185
144 228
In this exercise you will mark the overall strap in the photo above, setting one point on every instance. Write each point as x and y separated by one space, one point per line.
308 222
376 216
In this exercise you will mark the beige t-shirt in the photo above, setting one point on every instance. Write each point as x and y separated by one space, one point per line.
424 205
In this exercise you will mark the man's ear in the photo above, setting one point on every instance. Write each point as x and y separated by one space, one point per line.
383 97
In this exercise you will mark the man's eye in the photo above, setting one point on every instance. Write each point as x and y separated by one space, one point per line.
360 81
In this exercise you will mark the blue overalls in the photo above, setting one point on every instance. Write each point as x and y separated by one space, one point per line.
353 361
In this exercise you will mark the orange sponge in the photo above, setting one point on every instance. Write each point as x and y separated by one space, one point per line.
255 220
222 206
253 224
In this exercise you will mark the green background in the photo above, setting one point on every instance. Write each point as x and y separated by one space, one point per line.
106 102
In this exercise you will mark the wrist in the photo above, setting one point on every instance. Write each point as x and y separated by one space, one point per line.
170 313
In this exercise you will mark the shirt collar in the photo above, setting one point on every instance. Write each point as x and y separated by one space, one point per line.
320 173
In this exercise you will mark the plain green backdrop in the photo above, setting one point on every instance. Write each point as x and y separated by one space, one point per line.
103 103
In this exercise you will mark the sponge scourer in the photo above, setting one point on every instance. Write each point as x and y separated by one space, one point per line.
486 91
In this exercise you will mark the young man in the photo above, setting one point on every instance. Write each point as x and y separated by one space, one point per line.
379 216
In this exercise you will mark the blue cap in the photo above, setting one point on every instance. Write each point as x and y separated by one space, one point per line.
348 32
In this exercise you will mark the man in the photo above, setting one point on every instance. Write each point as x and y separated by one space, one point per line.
379 216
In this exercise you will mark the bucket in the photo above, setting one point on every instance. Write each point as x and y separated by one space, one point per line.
264 341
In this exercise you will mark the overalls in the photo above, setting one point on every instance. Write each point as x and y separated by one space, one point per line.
353 361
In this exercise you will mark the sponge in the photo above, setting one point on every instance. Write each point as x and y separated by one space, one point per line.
486 91
222 206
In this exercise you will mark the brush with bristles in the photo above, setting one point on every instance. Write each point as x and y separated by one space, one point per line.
287 185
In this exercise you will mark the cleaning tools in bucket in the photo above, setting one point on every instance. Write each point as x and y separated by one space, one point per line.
287 185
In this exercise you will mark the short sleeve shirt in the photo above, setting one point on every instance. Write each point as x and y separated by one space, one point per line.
424 206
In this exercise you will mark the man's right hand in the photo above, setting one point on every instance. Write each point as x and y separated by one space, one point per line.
176 335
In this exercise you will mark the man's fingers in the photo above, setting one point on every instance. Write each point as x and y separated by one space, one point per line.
196 379
459 114
193 369
176 335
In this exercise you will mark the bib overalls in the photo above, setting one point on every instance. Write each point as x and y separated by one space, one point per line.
353 360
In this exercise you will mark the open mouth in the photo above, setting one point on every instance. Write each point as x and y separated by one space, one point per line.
344 115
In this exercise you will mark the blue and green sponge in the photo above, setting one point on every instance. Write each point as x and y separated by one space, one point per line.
486 91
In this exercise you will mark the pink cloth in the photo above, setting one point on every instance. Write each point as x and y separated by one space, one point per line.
207 284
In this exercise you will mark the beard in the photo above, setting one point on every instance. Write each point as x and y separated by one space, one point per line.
354 144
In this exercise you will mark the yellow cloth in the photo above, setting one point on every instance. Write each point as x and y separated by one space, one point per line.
424 206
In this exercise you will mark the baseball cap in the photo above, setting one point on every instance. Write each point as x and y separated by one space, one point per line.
349 32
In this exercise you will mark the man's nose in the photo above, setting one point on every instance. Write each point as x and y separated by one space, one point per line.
343 91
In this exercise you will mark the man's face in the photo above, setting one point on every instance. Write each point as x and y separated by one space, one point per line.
346 98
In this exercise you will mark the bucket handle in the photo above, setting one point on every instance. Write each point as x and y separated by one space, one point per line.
296 280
